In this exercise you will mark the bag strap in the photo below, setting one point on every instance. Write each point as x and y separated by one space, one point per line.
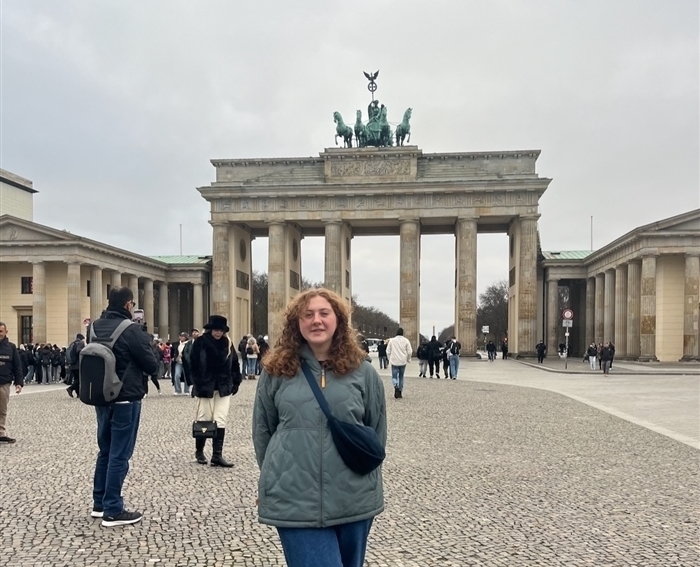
109 341
316 390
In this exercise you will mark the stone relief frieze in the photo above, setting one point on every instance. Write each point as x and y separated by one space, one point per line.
370 202
373 168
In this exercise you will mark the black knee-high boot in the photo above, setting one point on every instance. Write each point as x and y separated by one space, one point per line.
199 450
217 459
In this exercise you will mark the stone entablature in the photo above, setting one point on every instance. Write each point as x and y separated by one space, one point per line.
372 165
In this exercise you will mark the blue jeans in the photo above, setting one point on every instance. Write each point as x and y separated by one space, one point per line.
252 363
30 374
397 376
178 375
117 427
339 546
454 365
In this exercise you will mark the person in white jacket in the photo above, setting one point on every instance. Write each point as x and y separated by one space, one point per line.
399 352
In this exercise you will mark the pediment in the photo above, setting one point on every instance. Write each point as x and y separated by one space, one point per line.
17 231
685 222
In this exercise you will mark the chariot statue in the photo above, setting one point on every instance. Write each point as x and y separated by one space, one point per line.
377 130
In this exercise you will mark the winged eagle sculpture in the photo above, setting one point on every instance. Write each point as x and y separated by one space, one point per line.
371 76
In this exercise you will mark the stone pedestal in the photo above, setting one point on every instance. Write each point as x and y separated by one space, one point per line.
609 307
647 318
690 308
75 319
634 283
621 311
599 308
39 302
465 293
409 287
97 304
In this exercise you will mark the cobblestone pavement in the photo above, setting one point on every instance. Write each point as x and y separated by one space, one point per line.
477 473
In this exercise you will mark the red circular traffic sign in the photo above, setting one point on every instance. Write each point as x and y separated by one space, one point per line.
568 314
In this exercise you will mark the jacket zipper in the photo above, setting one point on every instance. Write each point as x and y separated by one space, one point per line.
320 484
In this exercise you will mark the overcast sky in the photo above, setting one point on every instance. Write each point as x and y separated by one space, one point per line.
114 110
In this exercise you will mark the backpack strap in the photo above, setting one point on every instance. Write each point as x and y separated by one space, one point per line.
109 341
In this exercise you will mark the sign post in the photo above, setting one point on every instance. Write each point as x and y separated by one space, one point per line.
567 323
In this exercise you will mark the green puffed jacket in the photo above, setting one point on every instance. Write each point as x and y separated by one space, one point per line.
303 481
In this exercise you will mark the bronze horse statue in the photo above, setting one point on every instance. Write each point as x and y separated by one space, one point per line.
342 130
404 129
360 131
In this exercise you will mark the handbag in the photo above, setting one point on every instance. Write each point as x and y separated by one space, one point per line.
358 445
203 429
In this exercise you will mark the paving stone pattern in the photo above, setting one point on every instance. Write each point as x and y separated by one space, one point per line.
477 474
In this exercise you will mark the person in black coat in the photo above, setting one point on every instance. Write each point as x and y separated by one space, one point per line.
216 376
541 349
434 348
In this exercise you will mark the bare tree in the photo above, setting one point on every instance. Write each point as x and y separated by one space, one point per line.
493 310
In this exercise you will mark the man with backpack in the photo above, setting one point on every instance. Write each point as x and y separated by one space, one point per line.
10 372
455 347
115 386
72 360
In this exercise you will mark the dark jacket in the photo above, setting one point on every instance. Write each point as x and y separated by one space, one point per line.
541 349
77 345
381 349
10 364
434 350
45 354
606 354
132 352
23 358
214 367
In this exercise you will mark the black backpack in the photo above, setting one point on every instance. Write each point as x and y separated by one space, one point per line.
454 349
249 350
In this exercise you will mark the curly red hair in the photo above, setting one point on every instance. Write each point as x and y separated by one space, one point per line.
344 356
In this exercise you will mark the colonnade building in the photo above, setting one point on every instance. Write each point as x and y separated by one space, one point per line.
640 291
52 282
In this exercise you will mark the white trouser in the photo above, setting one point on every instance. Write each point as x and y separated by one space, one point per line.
214 409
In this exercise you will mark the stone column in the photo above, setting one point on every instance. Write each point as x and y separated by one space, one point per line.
197 306
409 282
39 302
647 315
690 308
163 324
553 315
148 312
75 320
609 308
134 287
333 272
599 307
115 280
590 311
527 287
97 304
220 276
634 283
621 311
465 316
276 280
174 311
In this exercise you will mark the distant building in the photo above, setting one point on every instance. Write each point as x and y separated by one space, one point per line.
53 282
16 196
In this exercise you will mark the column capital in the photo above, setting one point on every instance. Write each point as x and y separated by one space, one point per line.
468 218
219 223
530 216
415 220
553 278
332 221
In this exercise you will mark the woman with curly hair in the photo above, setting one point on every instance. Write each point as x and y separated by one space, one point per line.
323 511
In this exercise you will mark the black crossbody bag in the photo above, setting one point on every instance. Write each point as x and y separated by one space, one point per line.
358 445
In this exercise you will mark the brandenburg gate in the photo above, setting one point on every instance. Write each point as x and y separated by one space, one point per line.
367 191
